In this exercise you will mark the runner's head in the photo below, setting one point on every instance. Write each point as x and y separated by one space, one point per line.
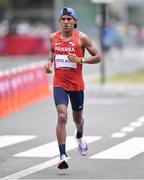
70 12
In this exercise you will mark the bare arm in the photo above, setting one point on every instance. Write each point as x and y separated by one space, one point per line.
87 44
51 55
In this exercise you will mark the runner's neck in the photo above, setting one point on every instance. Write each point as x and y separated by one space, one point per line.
66 36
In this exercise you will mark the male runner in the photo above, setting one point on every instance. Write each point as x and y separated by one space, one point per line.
67 53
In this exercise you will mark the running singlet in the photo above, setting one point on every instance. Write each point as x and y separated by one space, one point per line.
68 75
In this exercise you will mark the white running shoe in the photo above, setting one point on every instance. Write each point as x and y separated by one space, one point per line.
82 146
63 163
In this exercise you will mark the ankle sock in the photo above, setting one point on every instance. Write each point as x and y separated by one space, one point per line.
62 149
79 134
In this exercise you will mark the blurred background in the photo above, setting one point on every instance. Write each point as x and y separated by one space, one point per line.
25 21
115 26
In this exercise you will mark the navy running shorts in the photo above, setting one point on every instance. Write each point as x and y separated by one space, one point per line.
62 96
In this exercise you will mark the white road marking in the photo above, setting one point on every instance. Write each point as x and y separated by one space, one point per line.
125 150
32 169
136 124
51 149
141 119
131 127
127 129
71 144
118 135
7 140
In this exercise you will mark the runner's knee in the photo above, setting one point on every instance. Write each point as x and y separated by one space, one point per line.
79 121
62 118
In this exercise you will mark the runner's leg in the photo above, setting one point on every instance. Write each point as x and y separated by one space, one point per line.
77 100
61 102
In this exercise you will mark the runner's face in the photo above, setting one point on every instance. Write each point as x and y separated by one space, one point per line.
67 22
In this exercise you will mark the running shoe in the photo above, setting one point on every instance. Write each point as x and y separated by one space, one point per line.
82 146
63 163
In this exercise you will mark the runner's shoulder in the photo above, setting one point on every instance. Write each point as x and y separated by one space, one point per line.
83 37
51 36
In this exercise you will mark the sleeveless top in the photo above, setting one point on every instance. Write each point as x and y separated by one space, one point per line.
67 74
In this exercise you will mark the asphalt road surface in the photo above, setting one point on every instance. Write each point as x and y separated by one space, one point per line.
114 130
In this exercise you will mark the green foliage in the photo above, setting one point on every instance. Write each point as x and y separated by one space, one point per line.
136 77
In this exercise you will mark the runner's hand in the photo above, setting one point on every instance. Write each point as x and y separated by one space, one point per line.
48 67
74 58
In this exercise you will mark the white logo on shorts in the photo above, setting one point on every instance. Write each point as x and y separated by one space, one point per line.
80 106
